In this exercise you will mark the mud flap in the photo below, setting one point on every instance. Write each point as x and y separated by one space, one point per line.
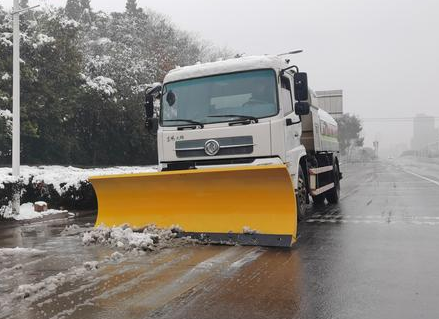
250 205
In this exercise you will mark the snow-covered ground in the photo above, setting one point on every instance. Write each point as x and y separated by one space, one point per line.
27 212
62 177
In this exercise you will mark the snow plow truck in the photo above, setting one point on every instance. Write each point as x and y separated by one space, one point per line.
241 148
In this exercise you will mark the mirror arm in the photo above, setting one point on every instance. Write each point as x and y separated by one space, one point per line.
294 67
153 90
290 122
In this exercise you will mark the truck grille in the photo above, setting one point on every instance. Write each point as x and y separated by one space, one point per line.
235 145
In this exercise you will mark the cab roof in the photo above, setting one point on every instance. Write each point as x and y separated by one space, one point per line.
226 66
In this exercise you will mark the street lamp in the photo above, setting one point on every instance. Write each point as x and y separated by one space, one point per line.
16 11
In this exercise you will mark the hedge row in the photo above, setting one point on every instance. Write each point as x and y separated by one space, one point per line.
75 198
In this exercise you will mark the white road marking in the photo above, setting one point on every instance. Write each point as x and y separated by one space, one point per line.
341 216
422 177
404 220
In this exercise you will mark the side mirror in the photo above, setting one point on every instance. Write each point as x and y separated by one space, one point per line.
300 86
301 108
151 94
152 124
149 106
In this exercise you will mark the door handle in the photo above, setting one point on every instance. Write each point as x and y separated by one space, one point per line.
289 122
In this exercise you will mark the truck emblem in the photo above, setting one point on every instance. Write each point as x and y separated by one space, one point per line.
211 147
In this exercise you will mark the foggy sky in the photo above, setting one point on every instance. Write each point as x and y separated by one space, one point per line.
383 54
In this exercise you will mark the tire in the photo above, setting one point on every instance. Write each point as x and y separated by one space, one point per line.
301 195
319 199
333 195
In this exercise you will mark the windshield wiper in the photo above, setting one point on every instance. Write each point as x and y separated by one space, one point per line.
250 118
201 125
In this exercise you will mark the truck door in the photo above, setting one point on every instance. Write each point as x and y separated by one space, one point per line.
292 131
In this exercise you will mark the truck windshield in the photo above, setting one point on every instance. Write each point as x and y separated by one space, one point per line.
205 100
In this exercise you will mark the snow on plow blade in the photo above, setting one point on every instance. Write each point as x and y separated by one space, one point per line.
249 205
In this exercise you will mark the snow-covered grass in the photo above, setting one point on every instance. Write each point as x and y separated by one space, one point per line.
27 212
62 177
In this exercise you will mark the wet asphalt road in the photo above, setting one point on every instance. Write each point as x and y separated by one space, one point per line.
374 255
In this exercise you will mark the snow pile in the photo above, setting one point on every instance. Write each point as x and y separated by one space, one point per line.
62 178
124 237
18 251
27 212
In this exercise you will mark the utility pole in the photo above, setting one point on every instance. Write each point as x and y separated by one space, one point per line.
16 11
16 104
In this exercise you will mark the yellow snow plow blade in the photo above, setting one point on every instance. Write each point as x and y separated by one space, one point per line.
250 205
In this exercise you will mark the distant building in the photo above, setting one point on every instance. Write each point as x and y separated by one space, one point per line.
331 101
424 132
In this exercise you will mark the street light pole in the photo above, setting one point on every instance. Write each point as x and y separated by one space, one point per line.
16 105
16 11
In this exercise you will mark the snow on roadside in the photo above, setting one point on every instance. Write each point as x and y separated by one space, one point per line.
62 177
27 212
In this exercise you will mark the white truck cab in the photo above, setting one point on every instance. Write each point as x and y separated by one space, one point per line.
247 111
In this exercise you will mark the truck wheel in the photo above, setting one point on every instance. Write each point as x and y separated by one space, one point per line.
333 195
318 199
301 195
